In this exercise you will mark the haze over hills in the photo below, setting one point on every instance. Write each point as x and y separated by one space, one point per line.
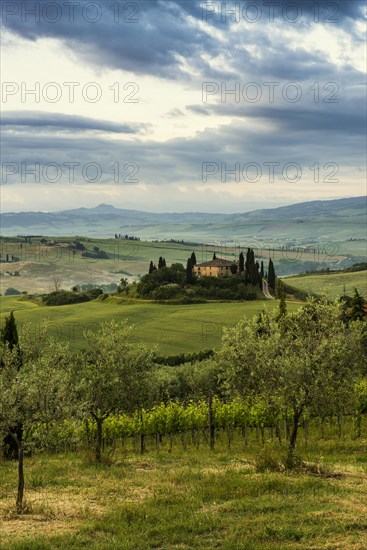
338 219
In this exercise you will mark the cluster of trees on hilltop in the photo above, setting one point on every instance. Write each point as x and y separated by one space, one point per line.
127 237
161 263
176 281
63 297
252 270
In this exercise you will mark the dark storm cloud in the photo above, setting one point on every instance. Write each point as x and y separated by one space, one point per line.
322 122
287 64
151 45
180 160
340 10
67 123
164 31
346 118
345 8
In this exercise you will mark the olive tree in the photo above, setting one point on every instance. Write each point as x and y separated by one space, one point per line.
35 394
112 377
307 360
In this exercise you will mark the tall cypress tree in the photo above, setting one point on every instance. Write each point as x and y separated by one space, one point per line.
247 263
262 269
9 336
189 274
214 256
252 256
260 281
151 268
160 262
241 263
357 313
248 266
257 276
9 332
271 275
252 270
193 258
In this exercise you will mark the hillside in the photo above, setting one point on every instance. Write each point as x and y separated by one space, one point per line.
174 328
40 261
331 284
335 220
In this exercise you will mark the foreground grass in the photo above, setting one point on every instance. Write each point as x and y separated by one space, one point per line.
187 500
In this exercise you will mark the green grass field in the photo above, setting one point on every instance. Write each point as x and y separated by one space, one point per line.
174 328
188 500
331 284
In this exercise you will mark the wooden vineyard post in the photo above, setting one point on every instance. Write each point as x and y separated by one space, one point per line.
210 420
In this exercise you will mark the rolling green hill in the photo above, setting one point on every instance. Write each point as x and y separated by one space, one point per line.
331 284
174 328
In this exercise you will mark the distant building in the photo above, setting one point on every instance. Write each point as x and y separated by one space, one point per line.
215 268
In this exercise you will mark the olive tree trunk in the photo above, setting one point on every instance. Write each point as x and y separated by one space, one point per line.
297 413
99 422
20 493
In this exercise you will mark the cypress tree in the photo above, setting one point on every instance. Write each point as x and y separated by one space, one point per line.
241 263
247 263
160 262
260 281
9 333
271 275
252 268
189 274
193 259
252 256
357 313
151 268
214 256
251 275
257 276
262 269
248 266
9 336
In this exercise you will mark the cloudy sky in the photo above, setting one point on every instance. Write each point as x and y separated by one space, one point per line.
182 105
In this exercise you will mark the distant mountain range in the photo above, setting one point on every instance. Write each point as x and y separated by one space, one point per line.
331 219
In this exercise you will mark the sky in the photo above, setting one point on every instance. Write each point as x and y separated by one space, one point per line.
181 105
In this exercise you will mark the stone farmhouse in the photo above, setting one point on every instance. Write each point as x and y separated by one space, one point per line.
216 268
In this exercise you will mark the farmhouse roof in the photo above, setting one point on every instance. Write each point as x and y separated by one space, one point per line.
219 262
